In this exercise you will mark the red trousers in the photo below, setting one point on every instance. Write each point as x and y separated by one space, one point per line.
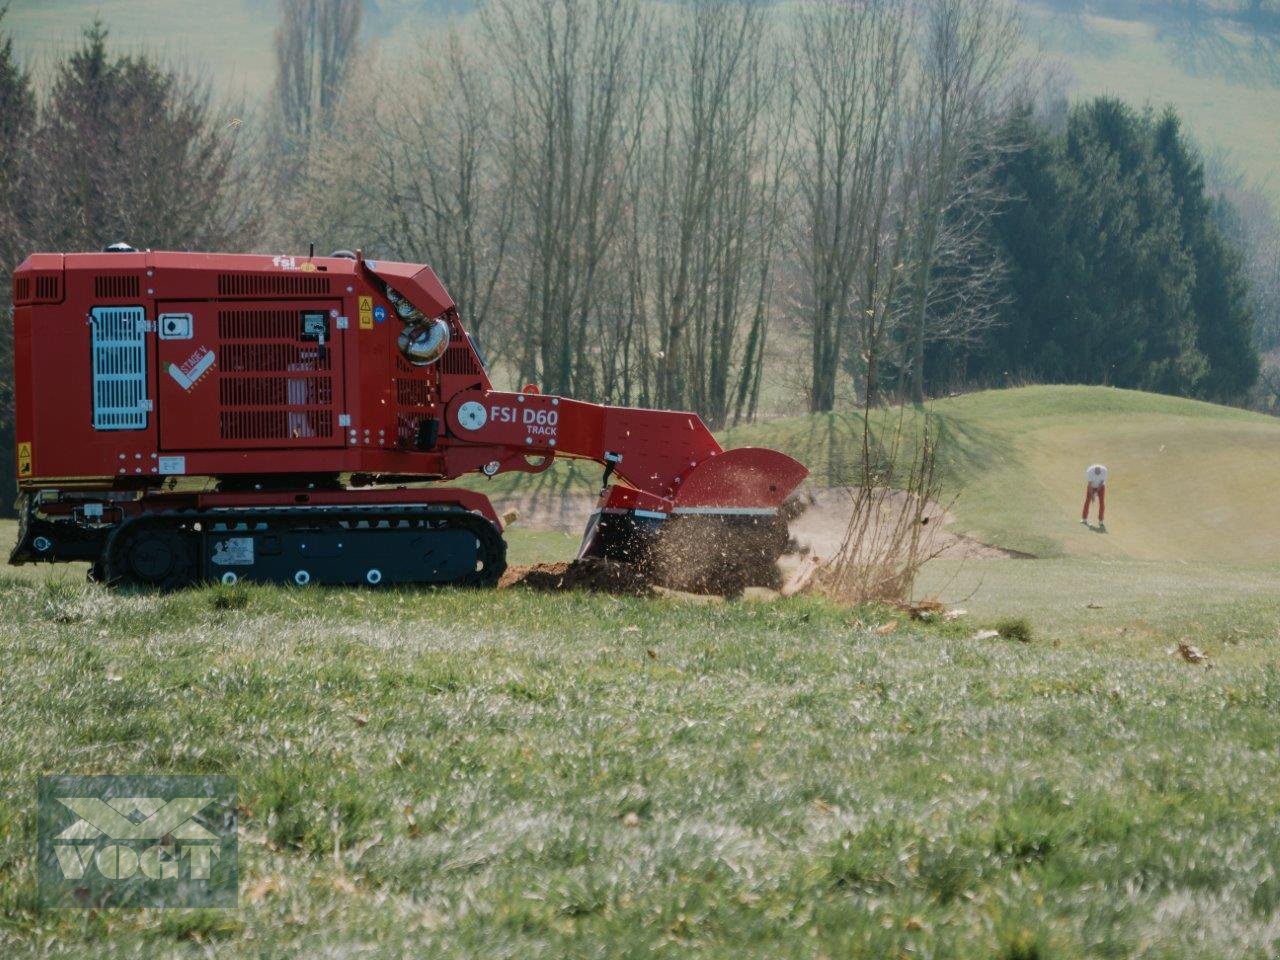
1091 492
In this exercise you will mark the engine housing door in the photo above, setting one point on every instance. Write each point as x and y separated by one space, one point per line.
238 376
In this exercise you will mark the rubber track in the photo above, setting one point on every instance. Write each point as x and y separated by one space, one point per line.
493 549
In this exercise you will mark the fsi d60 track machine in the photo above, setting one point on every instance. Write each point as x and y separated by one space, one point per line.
183 417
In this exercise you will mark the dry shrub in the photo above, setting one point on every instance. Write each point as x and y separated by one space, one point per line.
891 533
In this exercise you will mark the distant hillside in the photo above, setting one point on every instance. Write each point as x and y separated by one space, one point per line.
227 41
1221 75
1224 79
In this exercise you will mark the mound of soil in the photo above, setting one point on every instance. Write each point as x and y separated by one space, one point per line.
595 574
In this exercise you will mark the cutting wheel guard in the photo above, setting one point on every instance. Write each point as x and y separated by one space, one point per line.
721 534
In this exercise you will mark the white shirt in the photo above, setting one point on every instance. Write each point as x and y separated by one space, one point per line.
1096 475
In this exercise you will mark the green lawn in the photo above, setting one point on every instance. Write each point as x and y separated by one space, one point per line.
448 773
444 773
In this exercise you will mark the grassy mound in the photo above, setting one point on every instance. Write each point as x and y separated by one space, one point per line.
1189 480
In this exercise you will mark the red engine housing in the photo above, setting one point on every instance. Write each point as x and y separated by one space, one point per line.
226 381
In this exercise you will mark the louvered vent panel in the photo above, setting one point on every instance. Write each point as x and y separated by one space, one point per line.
118 347
258 325
283 425
257 285
48 288
273 357
458 359
407 429
21 289
275 391
413 393
116 288
273 385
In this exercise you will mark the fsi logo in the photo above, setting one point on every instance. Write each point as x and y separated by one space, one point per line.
137 841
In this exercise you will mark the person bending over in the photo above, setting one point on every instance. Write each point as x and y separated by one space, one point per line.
1095 486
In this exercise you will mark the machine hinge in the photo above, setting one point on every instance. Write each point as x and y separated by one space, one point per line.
145 326
342 323
344 419
146 405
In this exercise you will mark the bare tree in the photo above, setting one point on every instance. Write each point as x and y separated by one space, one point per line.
853 64
574 77
968 49
713 203
442 181
315 46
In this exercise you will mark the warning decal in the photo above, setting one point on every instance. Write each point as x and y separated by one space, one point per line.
233 552
24 459
366 313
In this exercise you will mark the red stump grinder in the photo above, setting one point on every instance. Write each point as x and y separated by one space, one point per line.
188 417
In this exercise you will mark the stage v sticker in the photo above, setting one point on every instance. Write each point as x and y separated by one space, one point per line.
195 367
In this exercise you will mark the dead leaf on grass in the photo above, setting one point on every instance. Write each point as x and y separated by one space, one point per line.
924 609
886 628
1192 654
259 890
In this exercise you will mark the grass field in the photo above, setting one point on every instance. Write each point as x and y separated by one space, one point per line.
507 774
453 774
1190 481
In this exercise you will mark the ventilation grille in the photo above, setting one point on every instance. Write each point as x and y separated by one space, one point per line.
119 352
413 393
275 391
258 325
257 284
274 357
272 385
48 288
459 360
116 288
275 424
407 429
